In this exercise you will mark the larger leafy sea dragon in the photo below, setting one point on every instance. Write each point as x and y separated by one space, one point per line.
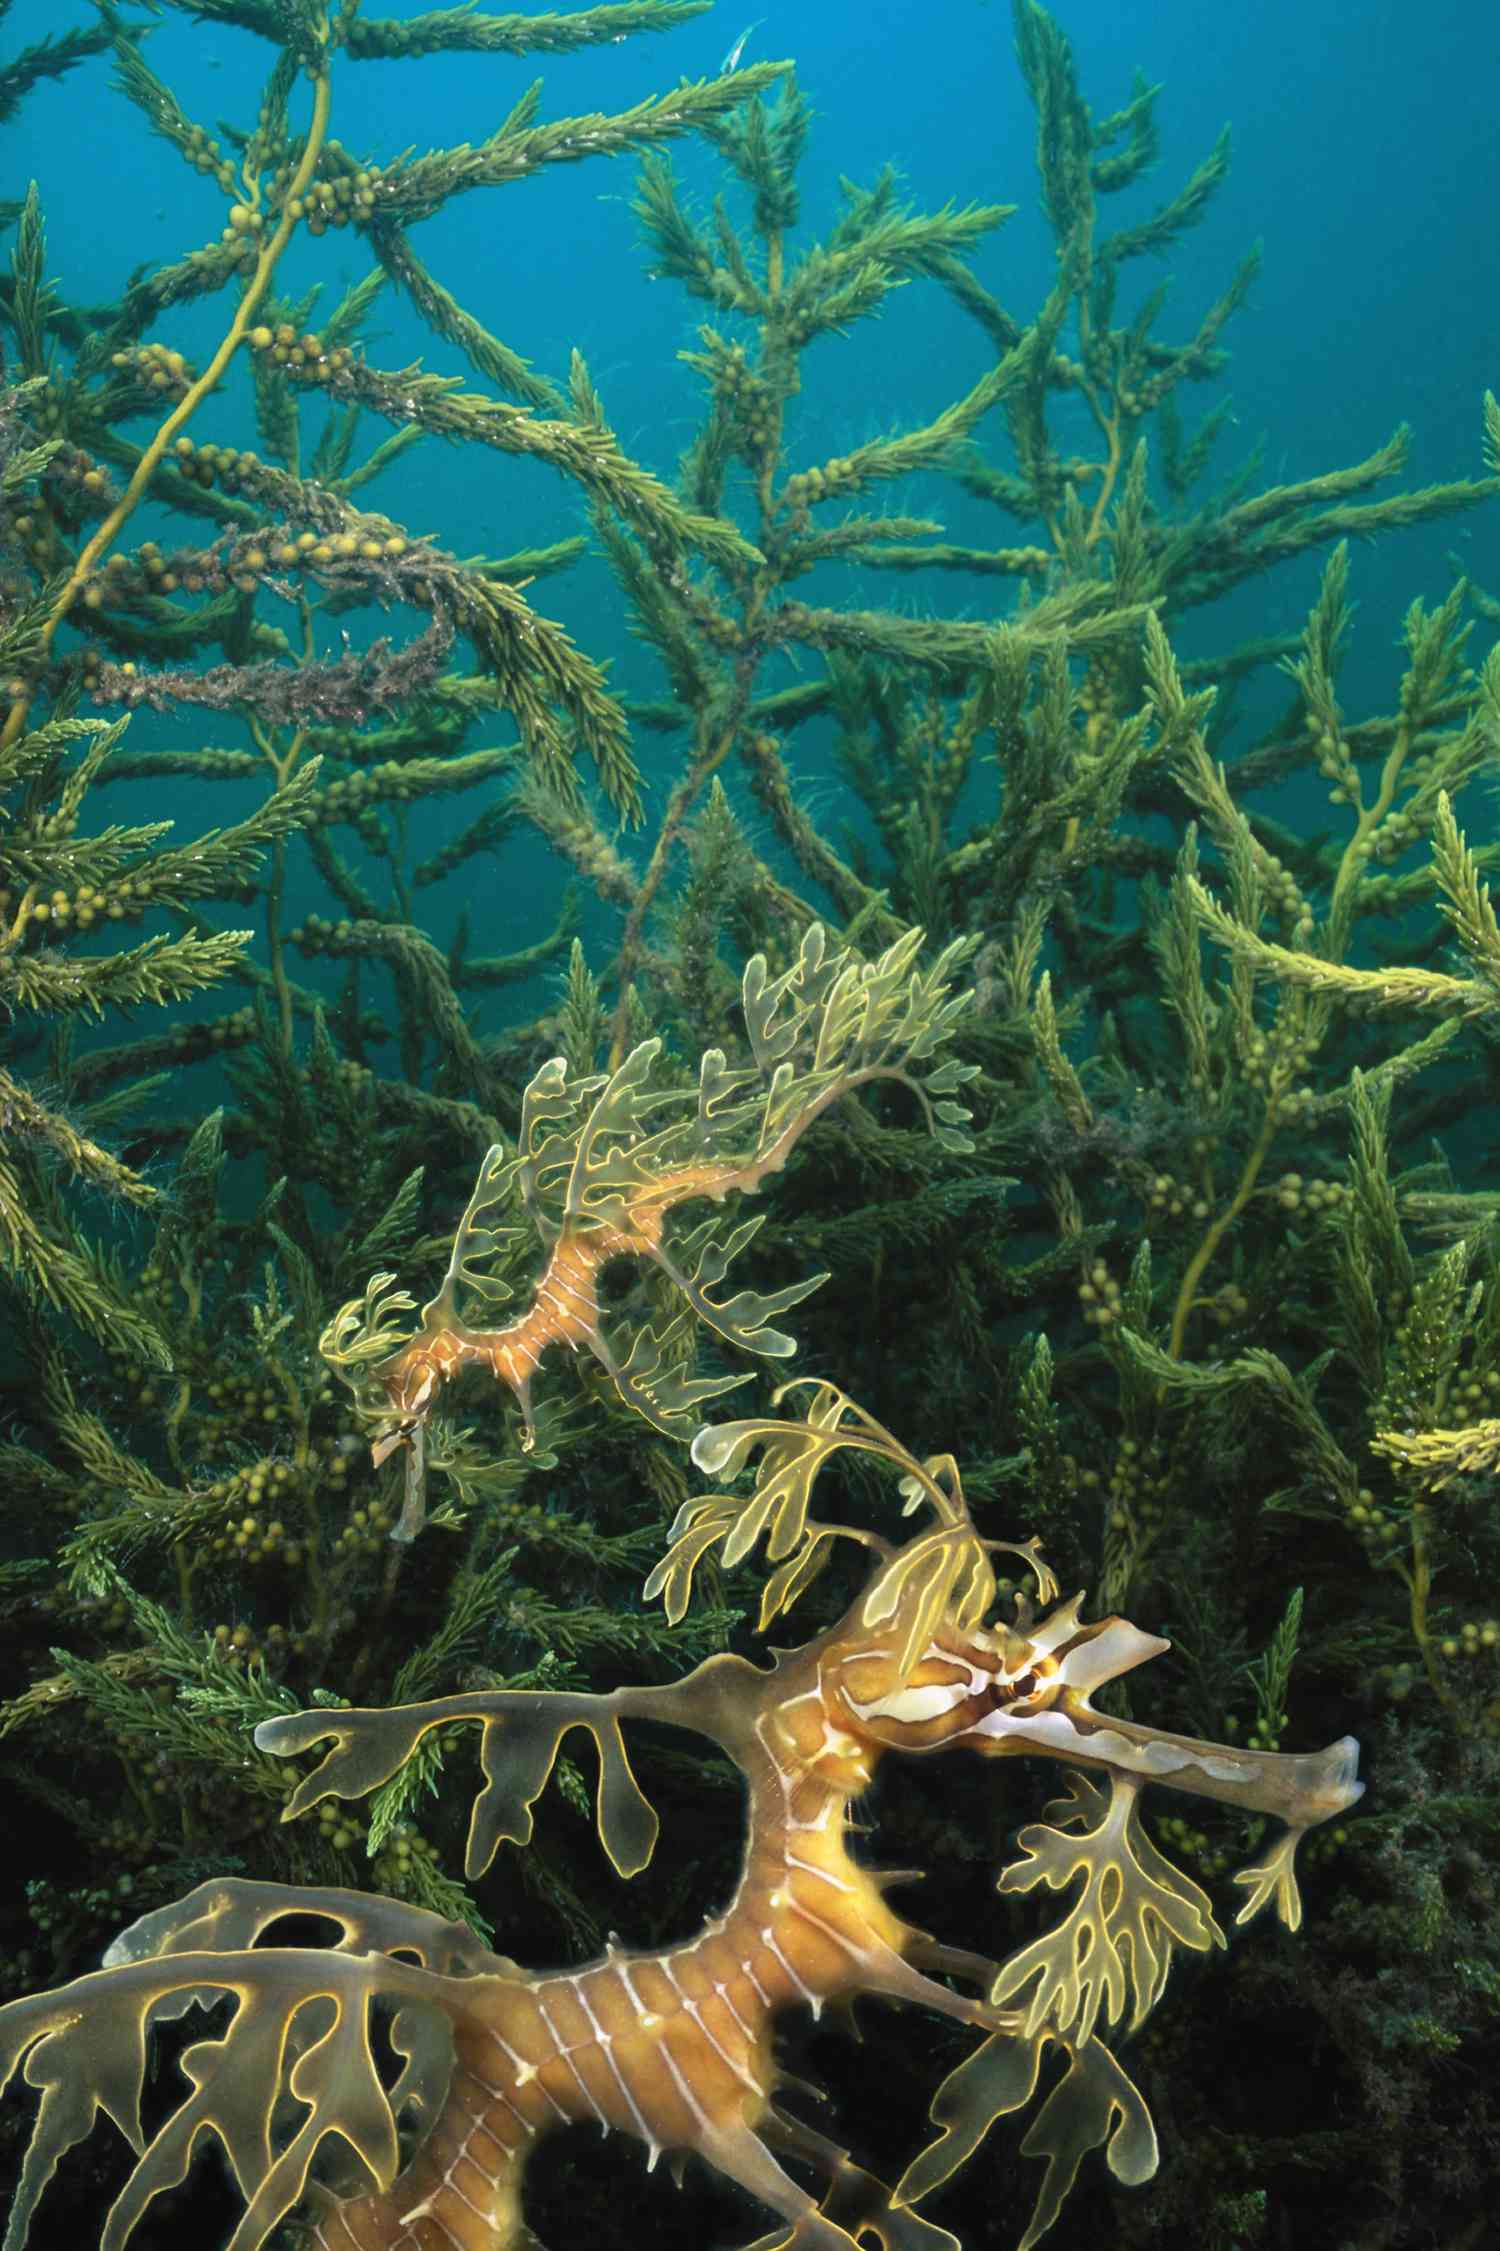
675 2048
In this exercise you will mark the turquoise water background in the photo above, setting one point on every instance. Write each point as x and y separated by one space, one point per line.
1364 161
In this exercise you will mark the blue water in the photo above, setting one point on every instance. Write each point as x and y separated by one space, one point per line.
1364 162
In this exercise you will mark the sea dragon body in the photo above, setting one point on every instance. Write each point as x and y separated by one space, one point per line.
672 2048
675 2048
604 1165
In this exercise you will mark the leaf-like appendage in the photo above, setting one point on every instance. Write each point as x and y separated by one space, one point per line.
945 1572
478 1245
1093 2102
791 1457
702 1258
998 2078
606 1161
844 1014
712 1520
522 1731
823 1026
550 1109
790 1580
777 1008
722 1449
1114 1949
1274 1876
367 1330
301 2029
228 1914
657 1385
726 1102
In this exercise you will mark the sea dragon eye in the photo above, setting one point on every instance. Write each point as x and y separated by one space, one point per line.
1003 1692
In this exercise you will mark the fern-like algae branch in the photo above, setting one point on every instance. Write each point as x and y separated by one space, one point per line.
182 412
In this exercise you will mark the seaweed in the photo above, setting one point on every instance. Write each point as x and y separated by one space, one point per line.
1210 1287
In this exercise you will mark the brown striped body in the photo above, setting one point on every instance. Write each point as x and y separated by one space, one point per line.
672 2048
675 2048
564 1308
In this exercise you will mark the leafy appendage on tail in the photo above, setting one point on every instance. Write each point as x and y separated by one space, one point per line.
294 2068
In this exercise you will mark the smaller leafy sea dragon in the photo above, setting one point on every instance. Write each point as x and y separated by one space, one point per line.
601 1169
674 2048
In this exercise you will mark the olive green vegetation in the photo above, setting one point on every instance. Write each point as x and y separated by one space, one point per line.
1213 1303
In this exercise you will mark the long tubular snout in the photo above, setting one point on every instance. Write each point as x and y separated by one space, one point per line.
1301 1788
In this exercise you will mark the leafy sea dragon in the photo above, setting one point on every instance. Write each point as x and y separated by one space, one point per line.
675 2048
603 1165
